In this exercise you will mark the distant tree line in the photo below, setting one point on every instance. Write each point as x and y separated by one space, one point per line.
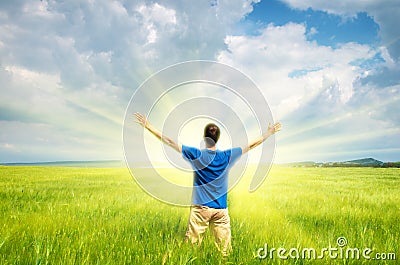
391 164
346 164
341 164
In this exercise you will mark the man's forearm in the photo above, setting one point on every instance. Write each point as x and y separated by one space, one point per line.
259 140
163 138
271 130
154 131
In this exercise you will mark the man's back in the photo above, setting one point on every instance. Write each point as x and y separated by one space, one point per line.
211 167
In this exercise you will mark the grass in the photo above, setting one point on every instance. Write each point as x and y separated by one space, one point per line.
60 215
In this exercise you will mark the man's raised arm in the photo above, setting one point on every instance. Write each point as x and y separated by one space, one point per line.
142 120
271 130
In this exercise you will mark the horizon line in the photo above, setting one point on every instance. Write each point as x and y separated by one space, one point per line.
160 163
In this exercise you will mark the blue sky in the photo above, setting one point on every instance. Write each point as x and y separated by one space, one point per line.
329 70
331 29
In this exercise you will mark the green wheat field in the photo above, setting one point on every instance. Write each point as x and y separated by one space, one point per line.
66 215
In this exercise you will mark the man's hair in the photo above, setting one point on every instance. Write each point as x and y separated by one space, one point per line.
211 134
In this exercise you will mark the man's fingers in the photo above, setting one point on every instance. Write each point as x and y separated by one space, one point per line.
274 128
141 119
138 115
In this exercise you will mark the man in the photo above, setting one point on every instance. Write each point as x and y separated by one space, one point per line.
210 184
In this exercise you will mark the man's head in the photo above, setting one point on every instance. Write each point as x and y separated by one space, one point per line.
211 134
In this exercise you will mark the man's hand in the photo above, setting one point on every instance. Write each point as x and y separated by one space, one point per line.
270 131
141 119
275 128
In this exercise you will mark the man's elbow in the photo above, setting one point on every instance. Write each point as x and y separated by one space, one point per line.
245 149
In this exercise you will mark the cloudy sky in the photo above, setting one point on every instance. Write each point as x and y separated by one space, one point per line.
330 71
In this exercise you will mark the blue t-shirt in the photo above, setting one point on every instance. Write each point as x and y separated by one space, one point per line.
210 184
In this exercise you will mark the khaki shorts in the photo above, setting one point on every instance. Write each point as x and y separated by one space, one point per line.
218 220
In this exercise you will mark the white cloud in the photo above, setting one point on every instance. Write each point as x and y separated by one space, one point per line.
312 32
73 65
316 92
49 142
158 14
384 12
279 51
157 18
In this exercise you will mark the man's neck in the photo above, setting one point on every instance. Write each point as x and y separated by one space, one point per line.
212 148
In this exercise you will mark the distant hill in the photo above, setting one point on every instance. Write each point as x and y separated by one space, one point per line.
364 162
94 164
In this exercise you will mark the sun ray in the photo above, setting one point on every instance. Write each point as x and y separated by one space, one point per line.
334 118
320 147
